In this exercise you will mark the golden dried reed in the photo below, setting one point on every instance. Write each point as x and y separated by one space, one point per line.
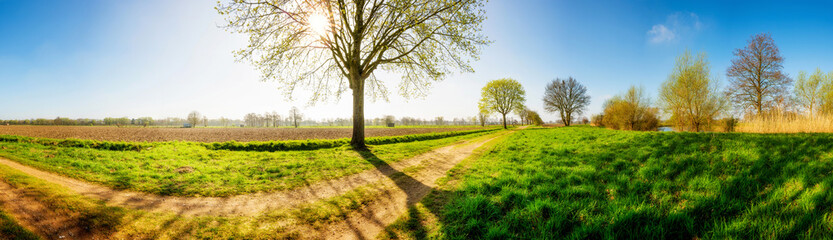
787 123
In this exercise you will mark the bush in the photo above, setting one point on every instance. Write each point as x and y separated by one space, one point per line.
728 124
598 120
623 116
630 111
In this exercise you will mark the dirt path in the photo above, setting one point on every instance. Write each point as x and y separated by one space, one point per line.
435 162
404 190
37 216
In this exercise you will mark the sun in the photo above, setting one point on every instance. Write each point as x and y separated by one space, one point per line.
318 24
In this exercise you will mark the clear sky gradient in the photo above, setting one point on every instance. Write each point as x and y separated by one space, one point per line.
95 59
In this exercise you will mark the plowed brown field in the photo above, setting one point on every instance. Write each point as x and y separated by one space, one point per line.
138 134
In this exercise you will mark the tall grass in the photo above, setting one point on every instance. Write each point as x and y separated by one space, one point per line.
787 123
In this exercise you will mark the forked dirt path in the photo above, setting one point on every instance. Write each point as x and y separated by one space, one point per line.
406 190
433 165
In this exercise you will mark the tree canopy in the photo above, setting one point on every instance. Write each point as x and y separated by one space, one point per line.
690 95
814 93
502 96
331 46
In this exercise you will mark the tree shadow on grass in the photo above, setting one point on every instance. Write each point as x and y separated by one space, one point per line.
745 205
413 188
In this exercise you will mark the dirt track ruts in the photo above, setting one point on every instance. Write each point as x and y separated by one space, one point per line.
246 204
399 191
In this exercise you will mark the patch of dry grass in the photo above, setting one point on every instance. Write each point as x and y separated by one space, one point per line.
785 123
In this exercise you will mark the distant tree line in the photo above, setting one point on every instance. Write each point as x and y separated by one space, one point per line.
108 121
268 119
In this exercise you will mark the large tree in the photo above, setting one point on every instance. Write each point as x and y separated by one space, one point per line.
756 80
331 46
690 95
567 97
502 96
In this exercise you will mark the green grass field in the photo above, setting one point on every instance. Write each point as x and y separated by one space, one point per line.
562 183
196 169
592 183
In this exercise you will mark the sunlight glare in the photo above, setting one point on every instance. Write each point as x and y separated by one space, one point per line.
318 24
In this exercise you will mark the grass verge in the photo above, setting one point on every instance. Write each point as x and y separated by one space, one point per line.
191 169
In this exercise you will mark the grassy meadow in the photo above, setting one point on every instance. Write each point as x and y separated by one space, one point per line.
593 183
216 169
538 183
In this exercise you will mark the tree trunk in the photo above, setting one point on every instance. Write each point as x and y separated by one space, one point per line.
358 117
759 104
504 121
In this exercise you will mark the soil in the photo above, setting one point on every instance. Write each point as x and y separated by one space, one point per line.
38 217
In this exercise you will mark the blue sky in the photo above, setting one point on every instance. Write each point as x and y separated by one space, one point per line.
157 58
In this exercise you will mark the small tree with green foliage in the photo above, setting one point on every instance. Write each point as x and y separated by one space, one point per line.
813 93
690 95
502 96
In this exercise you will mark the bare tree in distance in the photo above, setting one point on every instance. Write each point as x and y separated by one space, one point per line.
567 97
252 119
295 116
224 121
482 117
332 46
194 118
439 121
756 80
502 96
276 119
